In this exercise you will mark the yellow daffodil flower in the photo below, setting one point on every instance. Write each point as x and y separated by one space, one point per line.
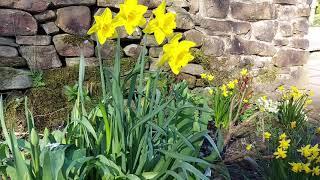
281 88
131 15
309 101
305 151
177 54
104 26
315 152
249 147
211 91
296 167
245 101
280 153
224 90
283 136
293 124
267 135
162 25
316 171
284 144
203 76
231 85
306 167
244 72
210 77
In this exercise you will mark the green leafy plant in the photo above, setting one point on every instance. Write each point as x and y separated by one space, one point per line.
37 78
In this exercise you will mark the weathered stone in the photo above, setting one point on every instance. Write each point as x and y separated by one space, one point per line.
59 3
253 11
16 22
265 30
290 57
281 42
286 12
8 42
191 80
214 8
151 41
155 52
183 18
115 3
194 6
108 50
91 61
109 3
45 16
285 1
193 69
301 26
8 51
217 27
299 43
41 57
38 40
74 19
285 29
213 46
50 28
11 79
304 11
13 62
122 33
240 27
68 49
195 36
180 3
250 47
26 5
132 50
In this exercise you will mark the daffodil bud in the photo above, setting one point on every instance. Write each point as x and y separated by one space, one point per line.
34 137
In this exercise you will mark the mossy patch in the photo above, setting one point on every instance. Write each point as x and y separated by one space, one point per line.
268 74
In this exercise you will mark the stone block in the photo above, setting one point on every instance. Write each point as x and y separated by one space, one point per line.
253 11
16 22
26 5
8 51
286 57
17 62
68 49
45 16
299 43
40 57
249 47
193 69
14 79
191 80
285 29
214 8
286 2
301 26
60 3
195 36
218 27
132 50
38 40
287 12
155 52
91 61
213 46
74 19
108 50
8 42
50 28
265 30
183 18
281 42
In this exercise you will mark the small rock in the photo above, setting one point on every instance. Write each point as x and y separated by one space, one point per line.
132 50
216 27
214 8
155 52
194 6
286 57
253 11
38 40
8 42
74 19
50 28
285 2
108 50
66 49
40 57
301 26
281 42
26 5
17 62
213 46
11 79
299 43
16 22
193 69
45 16
183 18
151 41
285 29
8 51
286 12
191 80
60 3
195 36
265 30
92 61
250 47
180 3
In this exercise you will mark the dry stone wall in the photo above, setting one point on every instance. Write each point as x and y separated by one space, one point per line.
45 34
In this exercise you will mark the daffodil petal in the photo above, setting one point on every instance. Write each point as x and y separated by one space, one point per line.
160 36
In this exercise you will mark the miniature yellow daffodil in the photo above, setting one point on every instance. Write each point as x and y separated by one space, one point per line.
224 90
249 147
104 27
296 167
281 88
211 91
131 15
284 144
162 25
267 135
210 77
316 171
306 167
244 72
305 151
203 76
283 136
280 153
231 85
245 101
176 53
293 124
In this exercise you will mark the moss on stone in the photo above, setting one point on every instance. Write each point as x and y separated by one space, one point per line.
75 40
268 74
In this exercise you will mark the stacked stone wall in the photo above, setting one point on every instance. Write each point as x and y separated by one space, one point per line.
45 34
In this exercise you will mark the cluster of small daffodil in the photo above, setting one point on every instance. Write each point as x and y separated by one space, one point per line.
295 93
284 144
311 153
227 89
131 15
208 77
